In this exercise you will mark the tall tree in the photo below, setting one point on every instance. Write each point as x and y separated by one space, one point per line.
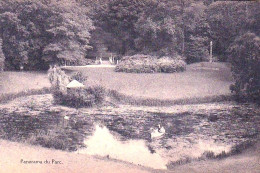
119 19
245 60
69 33
227 20
37 33
197 33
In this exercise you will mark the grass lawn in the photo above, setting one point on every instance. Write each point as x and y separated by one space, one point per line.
13 82
199 80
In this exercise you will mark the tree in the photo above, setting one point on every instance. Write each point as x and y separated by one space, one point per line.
39 33
245 60
69 32
229 19
119 18
197 33
13 34
157 32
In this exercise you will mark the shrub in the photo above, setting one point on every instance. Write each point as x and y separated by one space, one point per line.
245 60
73 97
79 77
58 79
82 97
80 62
169 65
150 64
138 64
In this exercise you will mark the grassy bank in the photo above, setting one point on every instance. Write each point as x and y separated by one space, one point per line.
139 101
4 98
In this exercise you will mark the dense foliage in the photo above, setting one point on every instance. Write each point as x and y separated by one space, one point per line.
76 97
171 65
245 59
155 27
228 21
38 33
150 64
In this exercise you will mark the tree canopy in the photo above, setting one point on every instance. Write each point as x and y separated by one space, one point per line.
38 33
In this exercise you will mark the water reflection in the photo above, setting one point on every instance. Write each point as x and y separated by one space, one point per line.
127 132
154 154
103 143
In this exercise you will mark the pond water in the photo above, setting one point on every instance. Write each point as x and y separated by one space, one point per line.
103 143
124 132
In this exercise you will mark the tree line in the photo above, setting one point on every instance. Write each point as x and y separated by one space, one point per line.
36 33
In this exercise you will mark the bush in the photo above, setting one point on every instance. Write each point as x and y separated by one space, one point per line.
138 64
79 77
245 60
150 64
58 79
82 97
169 65
73 97
80 62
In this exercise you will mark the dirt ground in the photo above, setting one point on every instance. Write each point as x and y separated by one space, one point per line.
12 153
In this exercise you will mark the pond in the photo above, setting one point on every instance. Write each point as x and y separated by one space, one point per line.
124 132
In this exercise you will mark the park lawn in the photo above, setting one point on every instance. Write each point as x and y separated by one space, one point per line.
14 82
199 80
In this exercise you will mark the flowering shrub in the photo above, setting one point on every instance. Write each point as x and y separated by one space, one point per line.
169 65
150 64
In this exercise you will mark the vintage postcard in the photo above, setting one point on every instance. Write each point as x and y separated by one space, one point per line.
118 86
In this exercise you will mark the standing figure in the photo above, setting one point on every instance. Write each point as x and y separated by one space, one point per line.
100 60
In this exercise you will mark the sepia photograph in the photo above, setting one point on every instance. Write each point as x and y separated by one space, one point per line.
129 86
